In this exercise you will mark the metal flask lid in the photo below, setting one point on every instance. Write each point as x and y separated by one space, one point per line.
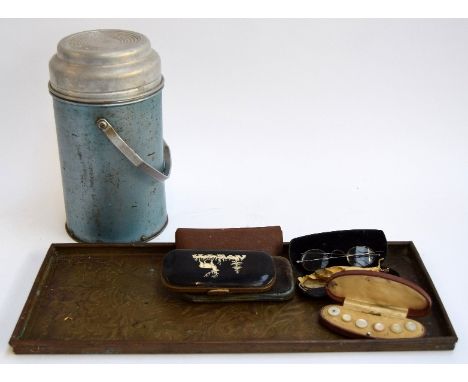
105 66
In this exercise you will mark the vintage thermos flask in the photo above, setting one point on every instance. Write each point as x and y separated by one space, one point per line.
106 87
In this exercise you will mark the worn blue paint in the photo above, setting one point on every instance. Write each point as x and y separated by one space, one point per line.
107 199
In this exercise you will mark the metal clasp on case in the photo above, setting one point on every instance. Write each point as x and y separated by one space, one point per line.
217 292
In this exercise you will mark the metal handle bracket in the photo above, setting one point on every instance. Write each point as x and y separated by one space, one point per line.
105 126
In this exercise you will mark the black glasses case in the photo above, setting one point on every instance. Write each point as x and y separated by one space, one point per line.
227 275
335 241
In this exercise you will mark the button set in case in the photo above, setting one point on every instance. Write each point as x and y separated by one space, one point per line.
370 325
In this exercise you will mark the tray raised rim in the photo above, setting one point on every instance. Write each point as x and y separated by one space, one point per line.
23 346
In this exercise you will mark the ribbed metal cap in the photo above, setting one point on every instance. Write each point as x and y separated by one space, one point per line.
105 66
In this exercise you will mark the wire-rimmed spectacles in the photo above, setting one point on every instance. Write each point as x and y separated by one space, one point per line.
358 256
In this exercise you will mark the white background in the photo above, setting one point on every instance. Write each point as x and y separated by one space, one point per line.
312 125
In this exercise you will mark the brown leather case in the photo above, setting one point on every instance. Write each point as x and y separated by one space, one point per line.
264 239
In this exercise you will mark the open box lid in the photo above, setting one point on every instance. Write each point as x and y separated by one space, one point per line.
379 289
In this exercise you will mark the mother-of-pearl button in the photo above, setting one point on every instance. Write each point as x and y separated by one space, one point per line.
395 328
379 327
411 326
346 317
361 323
334 311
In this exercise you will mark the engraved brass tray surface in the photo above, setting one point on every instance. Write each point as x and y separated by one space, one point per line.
108 298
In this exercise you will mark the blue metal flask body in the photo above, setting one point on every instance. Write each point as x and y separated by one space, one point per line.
106 87
107 199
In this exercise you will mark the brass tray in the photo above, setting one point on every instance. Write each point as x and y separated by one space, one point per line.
108 298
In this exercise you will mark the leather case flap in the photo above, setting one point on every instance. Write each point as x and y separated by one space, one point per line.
218 271
264 239
375 291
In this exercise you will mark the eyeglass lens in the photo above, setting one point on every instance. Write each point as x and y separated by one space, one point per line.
361 256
